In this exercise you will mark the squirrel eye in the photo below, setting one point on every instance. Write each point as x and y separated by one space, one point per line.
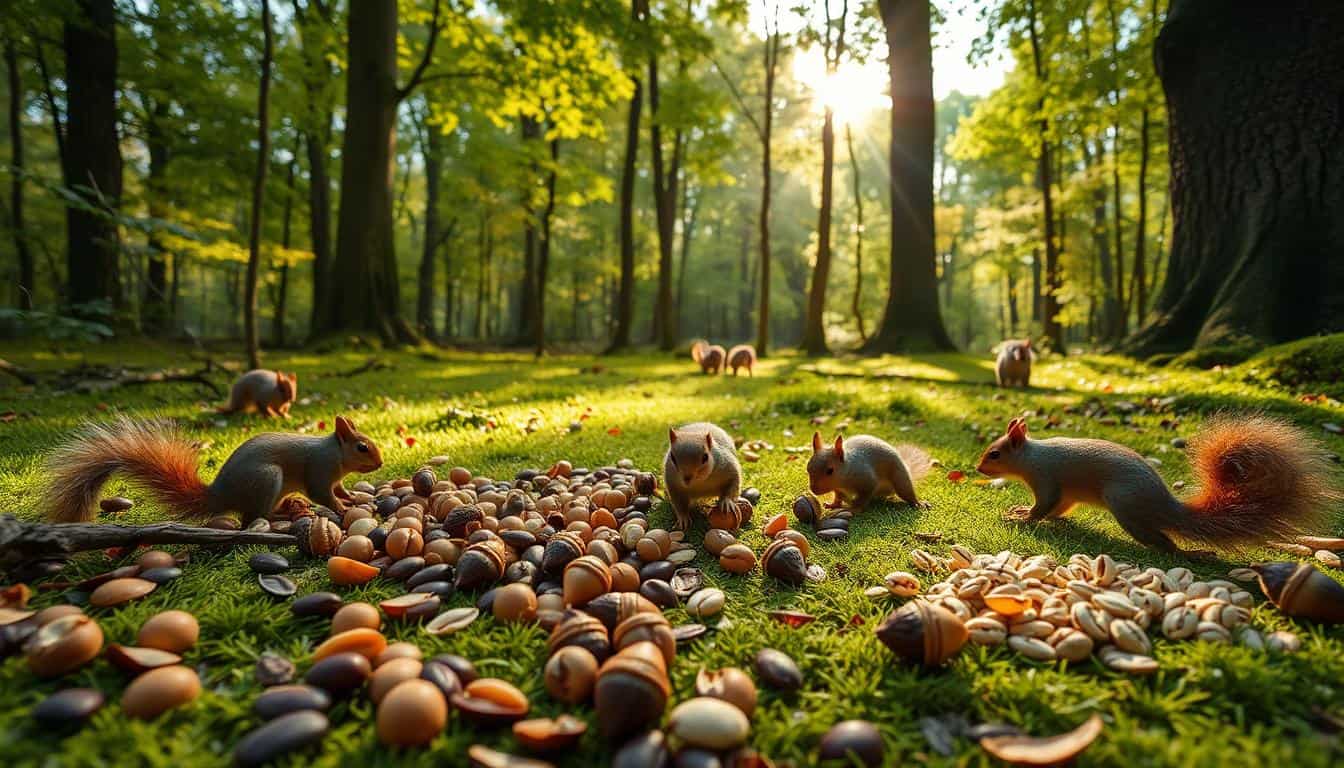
993 454
830 470
361 447
704 458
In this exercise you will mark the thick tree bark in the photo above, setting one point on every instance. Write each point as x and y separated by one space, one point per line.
625 294
856 305
746 281
690 208
155 313
1049 294
1257 173
530 315
1139 290
912 319
258 190
544 251
433 156
773 41
319 220
665 207
278 325
814 328
92 153
1109 319
27 271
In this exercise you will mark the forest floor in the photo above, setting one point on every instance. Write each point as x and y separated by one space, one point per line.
1209 705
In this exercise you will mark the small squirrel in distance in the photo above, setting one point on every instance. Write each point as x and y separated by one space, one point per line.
701 462
1259 478
252 481
1013 366
862 468
710 357
269 393
742 356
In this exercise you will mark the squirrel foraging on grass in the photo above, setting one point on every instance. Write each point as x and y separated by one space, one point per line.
1259 477
269 393
701 462
252 481
1013 366
742 356
710 357
863 468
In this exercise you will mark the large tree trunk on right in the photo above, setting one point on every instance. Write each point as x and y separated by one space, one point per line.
912 319
424 304
366 291
1257 173
814 329
92 155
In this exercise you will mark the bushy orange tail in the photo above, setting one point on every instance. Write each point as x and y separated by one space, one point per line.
151 453
917 462
1259 479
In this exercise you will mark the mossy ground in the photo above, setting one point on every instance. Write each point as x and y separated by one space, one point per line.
1208 706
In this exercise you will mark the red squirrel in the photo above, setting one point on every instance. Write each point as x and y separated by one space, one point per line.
1013 366
863 468
1260 479
710 357
269 393
252 481
742 356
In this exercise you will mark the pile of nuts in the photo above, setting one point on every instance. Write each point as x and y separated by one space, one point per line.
1045 610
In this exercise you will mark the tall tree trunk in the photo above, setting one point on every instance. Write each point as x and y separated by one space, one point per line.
1013 319
92 153
530 309
1139 290
912 319
1257 173
746 280
665 177
814 329
625 296
319 221
450 297
366 260
433 156
258 191
1045 181
773 41
856 306
544 252
478 323
690 208
155 313
282 292
27 271
1036 293
1110 304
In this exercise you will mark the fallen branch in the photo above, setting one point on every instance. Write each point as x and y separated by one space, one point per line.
97 379
17 372
22 542
372 364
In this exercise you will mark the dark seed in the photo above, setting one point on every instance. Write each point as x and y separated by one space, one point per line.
268 562
853 740
379 537
777 670
659 593
685 633
440 572
115 504
752 495
550 587
422 482
317 604
13 636
76 597
284 699
70 707
533 555
442 676
339 673
486 602
161 576
697 758
280 736
273 669
518 539
276 586
833 523
405 568
645 751
443 589
423 610
658 569
832 534
462 667
520 572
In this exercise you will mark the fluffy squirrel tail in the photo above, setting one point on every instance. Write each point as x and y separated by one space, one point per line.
151 453
698 351
1259 479
917 461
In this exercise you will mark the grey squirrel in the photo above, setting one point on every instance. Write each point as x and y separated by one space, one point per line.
701 462
1013 366
742 356
252 481
269 393
862 468
710 357
1260 479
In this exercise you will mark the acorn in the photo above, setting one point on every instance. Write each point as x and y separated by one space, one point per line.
785 561
922 633
422 482
614 607
654 545
646 483
1301 591
631 691
560 550
807 508
726 516
585 578
580 629
461 522
646 627
570 674
481 564
321 537
624 578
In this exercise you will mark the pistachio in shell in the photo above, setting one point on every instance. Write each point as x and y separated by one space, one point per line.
1301 591
137 660
322 538
922 633
173 631
1055 750
730 684
119 591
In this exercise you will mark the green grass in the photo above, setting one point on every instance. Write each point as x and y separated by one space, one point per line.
1208 706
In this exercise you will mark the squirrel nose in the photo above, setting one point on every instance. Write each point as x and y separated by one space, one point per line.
687 478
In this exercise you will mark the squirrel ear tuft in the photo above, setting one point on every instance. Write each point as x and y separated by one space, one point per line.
671 435
1017 432
816 442
709 441
839 448
345 428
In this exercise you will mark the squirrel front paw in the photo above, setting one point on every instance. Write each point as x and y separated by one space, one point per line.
921 505
1019 514
683 521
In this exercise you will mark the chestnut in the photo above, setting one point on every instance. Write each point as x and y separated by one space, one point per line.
922 633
